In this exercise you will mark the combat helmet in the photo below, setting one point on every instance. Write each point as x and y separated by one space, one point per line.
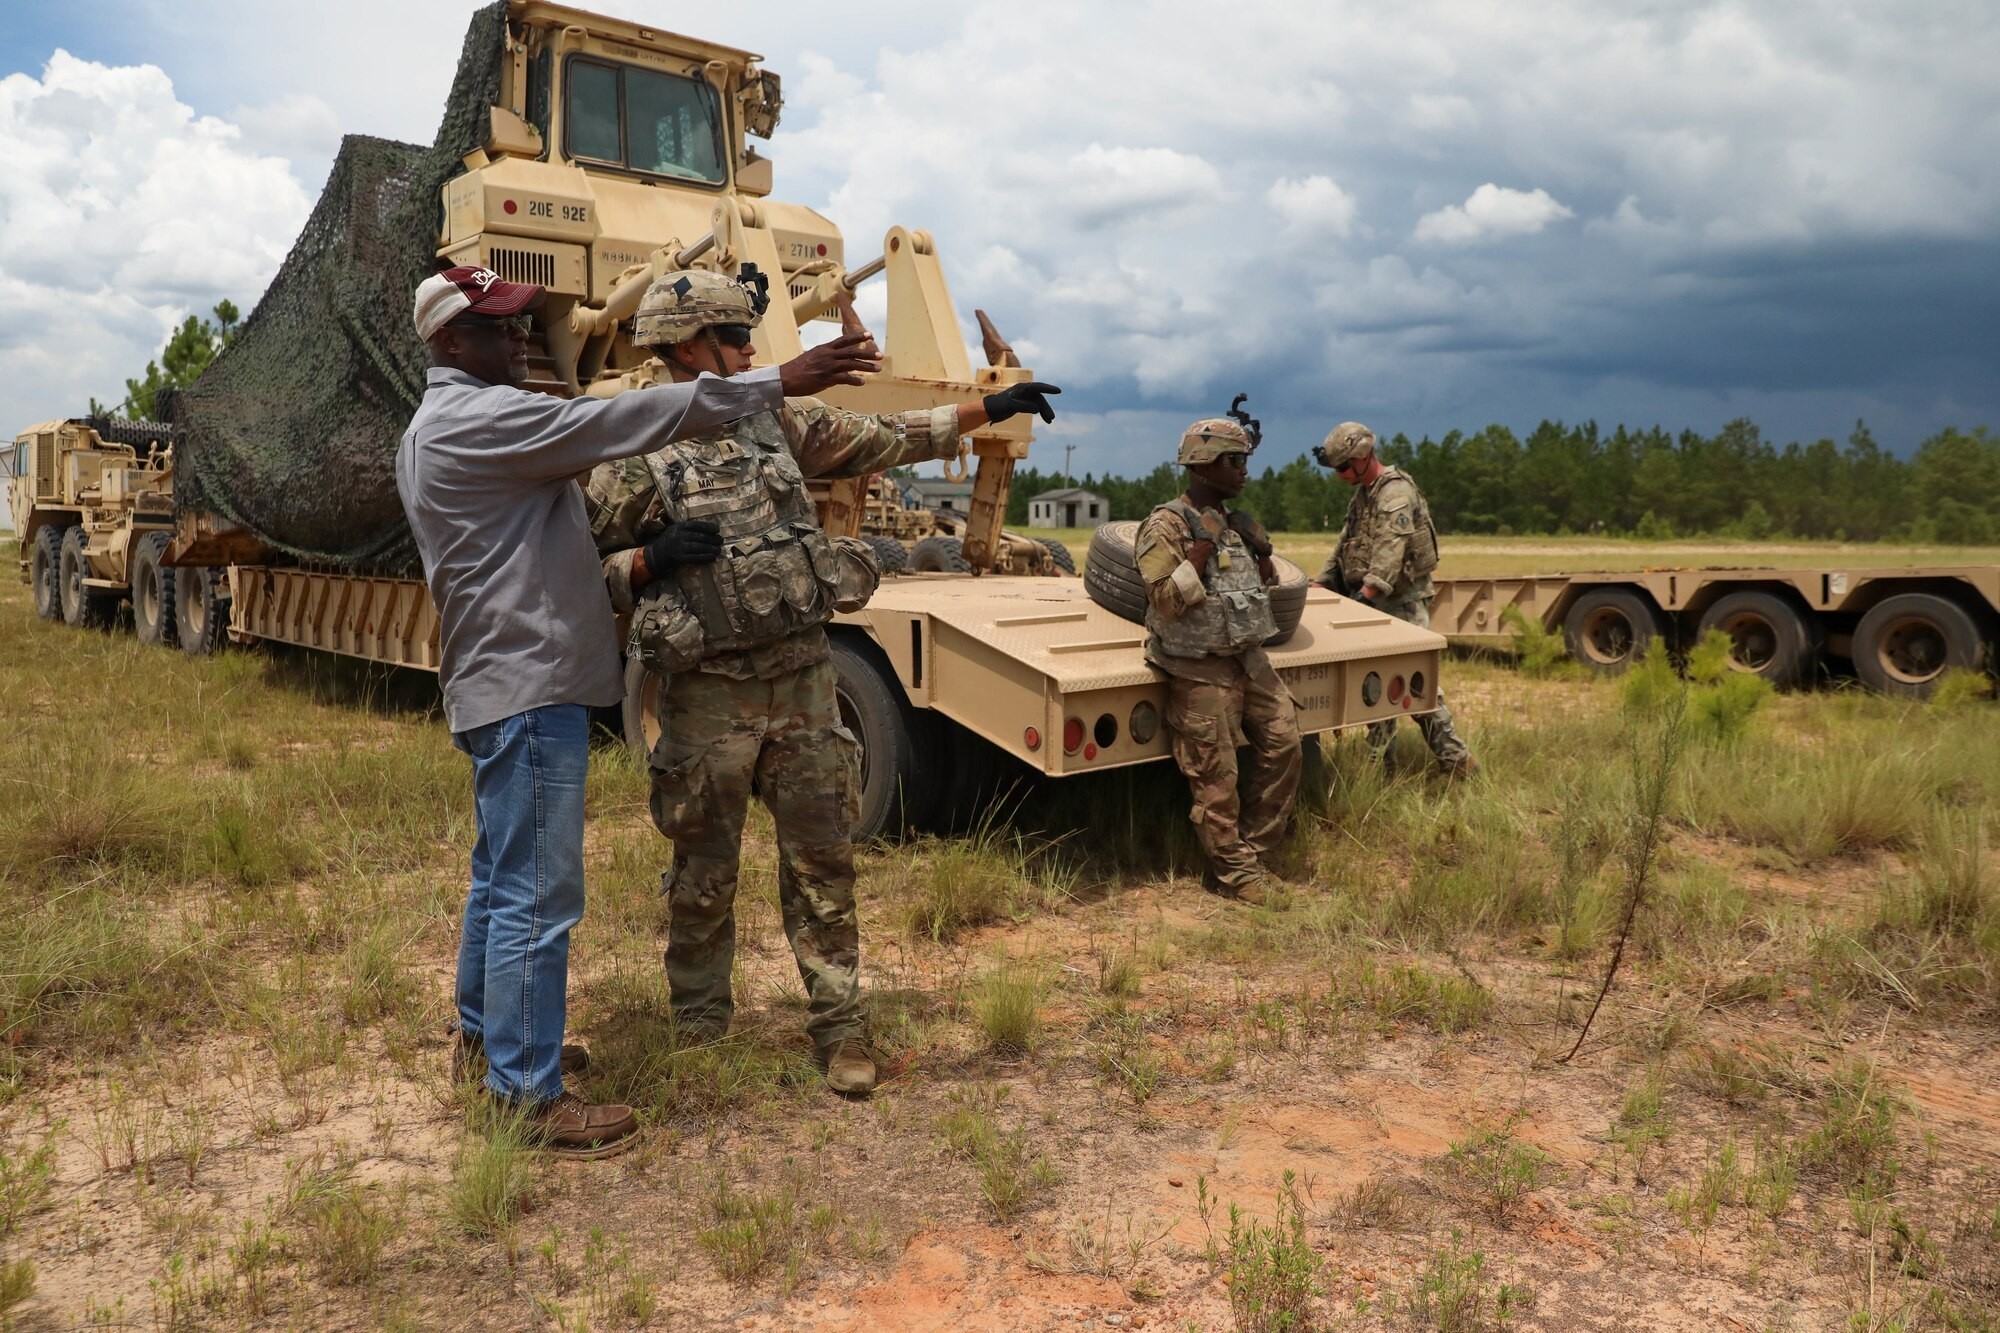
1345 443
679 305
1209 439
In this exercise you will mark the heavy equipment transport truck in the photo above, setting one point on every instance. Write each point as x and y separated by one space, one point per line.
1902 629
590 155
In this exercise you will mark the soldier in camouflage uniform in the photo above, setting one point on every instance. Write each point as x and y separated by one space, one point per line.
714 548
1207 616
1385 556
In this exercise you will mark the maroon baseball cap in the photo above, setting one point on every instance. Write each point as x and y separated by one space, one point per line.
445 296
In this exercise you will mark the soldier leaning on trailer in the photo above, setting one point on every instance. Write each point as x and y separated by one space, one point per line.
1207 616
1385 555
729 605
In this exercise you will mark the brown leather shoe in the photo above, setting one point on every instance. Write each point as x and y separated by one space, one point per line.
850 1070
572 1127
469 1052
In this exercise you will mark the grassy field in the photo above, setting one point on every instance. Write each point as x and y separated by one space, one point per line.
1496 557
1113 1100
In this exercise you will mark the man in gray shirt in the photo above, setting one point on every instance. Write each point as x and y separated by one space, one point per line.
487 474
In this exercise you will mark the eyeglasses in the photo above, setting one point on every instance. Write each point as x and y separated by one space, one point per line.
511 325
732 335
1233 460
1351 465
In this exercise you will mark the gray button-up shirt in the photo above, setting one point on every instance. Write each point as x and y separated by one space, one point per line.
487 476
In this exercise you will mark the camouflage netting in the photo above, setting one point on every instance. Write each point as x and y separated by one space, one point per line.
292 432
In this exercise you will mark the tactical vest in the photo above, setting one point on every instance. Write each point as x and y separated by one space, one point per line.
779 574
1359 534
1234 616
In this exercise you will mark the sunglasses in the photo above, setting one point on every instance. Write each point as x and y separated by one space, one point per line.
507 324
731 335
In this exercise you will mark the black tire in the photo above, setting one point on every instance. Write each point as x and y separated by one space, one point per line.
201 610
975 780
153 593
1768 636
1905 644
1609 629
1058 553
889 554
82 607
897 784
940 555
45 572
1112 580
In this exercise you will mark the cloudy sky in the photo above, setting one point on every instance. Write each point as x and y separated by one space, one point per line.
1423 216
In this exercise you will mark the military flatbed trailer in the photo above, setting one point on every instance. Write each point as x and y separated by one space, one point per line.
956 686
1902 629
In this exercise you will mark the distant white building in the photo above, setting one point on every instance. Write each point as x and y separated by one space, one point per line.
1068 507
937 493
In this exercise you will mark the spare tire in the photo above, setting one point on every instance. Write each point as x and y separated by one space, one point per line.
889 554
1059 553
1112 579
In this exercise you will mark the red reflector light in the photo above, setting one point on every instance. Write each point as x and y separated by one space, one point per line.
510 206
1395 688
1090 751
1032 738
1072 735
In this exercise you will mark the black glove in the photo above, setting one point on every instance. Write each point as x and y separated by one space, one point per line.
698 541
1018 398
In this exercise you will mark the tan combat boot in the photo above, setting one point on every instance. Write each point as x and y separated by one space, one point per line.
1261 890
850 1070
1462 768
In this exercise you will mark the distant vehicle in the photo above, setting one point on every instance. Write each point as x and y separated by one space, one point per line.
1902 629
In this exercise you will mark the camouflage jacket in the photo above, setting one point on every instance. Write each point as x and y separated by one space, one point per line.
1387 543
1173 585
826 441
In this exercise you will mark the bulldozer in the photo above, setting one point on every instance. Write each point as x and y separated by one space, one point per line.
91 500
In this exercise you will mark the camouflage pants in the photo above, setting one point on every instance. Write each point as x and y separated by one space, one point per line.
721 741
1436 725
1238 816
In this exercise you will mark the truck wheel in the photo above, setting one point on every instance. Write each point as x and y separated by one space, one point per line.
889 554
84 608
153 593
45 572
1058 553
940 555
1768 636
1907 642
1608 629
977 779
201 609
897 787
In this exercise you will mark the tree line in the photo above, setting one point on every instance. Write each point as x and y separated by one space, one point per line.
1644 483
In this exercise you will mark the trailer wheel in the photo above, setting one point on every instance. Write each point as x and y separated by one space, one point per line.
153 593
897 783
1768 636
1906 643
1058 553
1608 629
82 607
201 609
889 554
45 572
940 555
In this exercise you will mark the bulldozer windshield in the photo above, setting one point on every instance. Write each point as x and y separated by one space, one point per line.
642 120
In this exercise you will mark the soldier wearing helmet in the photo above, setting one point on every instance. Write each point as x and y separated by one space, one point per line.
1208 614
1385 555
714 548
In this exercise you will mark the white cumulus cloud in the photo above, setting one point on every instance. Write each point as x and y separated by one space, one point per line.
121 210
1312 204
1492 211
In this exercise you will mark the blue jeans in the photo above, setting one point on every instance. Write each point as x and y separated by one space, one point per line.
527 892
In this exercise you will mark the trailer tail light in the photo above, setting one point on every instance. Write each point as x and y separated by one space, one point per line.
1032 738
1072 735
1416 684
1105 733
1395 689
1090 751
1371 689
1144 724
